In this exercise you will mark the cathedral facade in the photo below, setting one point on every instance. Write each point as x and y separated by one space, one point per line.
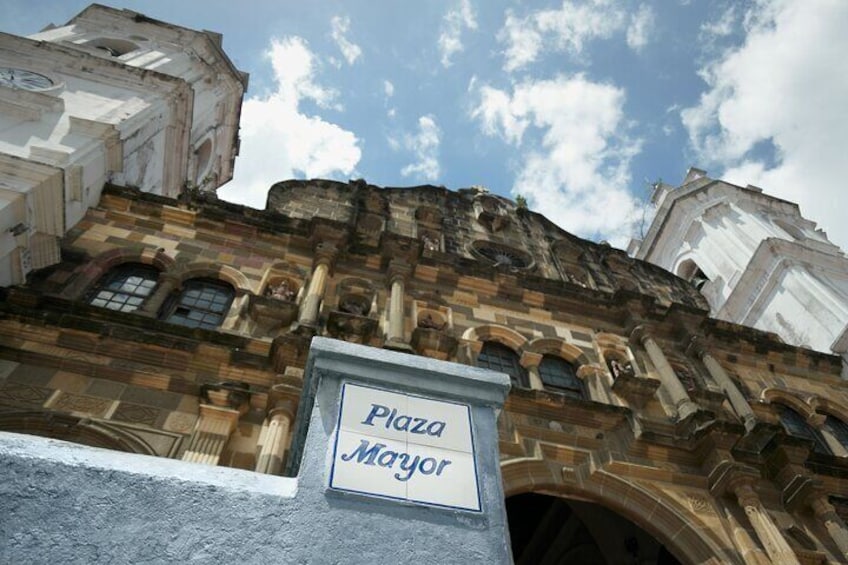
638 428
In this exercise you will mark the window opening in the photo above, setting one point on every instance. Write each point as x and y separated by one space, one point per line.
125 288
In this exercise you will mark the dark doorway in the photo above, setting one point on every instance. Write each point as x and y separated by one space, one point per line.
547 530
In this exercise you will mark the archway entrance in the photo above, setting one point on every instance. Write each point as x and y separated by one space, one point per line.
548 530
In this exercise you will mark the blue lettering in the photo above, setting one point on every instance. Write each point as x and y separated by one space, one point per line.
402 423
427 461
407 466
363 454
368 454
435 429
377 411
387 459
418 427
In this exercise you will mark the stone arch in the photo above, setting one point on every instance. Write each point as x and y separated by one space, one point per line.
91 271
829 407
214 271
494 332
558 347
779 396
660 516
76 430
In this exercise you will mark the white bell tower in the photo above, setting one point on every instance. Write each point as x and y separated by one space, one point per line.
755 258
112 96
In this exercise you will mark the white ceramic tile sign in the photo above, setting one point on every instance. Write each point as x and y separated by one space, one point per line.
405 447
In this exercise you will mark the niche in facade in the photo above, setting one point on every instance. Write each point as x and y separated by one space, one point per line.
569 260
428 223
275 308
369 227
637 390
695 384
352 319
499 255
432 335
491 213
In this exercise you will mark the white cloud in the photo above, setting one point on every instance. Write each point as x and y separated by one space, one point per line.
578 172
721 27
388 88
425 145
565 29
278 141
340 26
450 38
786 85
641 26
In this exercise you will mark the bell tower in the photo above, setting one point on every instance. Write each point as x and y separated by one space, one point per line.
111 96
754 257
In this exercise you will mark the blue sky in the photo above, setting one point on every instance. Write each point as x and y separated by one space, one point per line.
577 105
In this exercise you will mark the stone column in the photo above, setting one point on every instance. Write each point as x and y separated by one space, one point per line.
748 548
325 253
684 405
734 395
399 271
530 361
768 533
274 437
151 307
826 513
211 434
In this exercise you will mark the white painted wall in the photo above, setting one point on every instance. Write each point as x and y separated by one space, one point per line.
768 266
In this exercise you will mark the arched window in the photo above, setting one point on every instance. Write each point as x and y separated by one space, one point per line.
202 303
499 357
558 374
795 425
125 287
838 429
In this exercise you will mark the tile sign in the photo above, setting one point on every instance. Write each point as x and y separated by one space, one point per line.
405 447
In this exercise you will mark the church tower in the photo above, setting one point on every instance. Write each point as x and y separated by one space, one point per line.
111 97
755 258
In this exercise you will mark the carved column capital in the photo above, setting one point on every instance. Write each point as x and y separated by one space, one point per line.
399 270
639 334
696 348
325 253
530 359
586 371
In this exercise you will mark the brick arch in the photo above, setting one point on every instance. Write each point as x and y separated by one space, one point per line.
214 271
90 272
559 347
674 525
500 334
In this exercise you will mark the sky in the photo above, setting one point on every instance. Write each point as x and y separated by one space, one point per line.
579 106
